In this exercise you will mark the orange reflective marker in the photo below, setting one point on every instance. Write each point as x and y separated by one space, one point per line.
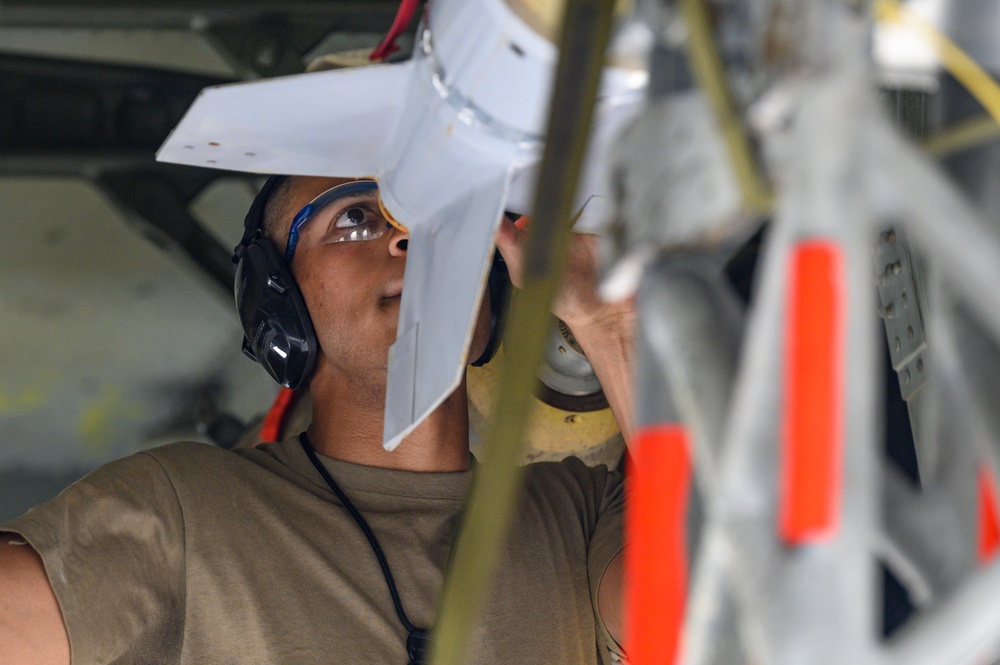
989 530
277 416
812 421
659 476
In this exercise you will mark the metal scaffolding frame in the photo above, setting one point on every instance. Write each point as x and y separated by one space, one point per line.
762 591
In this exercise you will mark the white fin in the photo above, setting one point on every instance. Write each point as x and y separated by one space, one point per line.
326 123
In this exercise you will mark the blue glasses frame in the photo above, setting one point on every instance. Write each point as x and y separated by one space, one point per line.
316 204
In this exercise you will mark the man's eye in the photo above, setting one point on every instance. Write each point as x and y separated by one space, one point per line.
352 217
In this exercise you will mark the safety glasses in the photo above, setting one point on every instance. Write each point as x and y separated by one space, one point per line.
346 213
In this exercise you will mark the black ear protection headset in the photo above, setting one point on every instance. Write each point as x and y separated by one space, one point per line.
278 332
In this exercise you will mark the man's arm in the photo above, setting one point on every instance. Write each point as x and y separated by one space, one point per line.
608 346
610 598
605 332
31 623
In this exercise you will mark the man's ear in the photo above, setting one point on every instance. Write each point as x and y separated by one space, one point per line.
498 291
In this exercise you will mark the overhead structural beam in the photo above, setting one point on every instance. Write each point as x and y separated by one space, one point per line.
104 123
54 107
157 201
356 14
257 39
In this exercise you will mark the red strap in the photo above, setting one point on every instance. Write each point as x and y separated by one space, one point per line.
659 475
277 415
989 525
404 14
812 433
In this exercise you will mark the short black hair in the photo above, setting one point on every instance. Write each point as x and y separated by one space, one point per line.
275 209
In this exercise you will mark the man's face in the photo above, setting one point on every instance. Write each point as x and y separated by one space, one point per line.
352 289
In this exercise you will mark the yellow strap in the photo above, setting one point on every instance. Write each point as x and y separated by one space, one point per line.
709 71
966 71
962 136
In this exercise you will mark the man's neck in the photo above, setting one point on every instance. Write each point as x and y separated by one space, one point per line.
347 425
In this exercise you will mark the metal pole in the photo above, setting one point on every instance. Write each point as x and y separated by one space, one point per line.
585 32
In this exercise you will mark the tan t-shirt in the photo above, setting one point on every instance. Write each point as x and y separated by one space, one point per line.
193 554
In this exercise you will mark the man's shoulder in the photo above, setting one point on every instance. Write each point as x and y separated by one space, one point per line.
582 501
571 476
183 454
571 467
191 459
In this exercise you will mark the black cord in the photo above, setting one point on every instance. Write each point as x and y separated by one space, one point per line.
416 644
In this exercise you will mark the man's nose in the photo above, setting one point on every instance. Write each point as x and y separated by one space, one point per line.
398 242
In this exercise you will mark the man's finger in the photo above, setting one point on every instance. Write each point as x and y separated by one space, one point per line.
510 242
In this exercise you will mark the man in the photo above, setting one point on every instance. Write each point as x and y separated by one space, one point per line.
189 553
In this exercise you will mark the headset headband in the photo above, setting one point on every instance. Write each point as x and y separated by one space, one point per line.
254 219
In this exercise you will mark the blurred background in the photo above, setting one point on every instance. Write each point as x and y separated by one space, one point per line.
117 325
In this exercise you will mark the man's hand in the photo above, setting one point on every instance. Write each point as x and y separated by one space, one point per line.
604 330
31 624
577 302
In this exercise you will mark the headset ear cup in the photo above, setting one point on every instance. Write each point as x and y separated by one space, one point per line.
499 289
279 332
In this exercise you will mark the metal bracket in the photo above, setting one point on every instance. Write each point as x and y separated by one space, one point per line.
901 310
